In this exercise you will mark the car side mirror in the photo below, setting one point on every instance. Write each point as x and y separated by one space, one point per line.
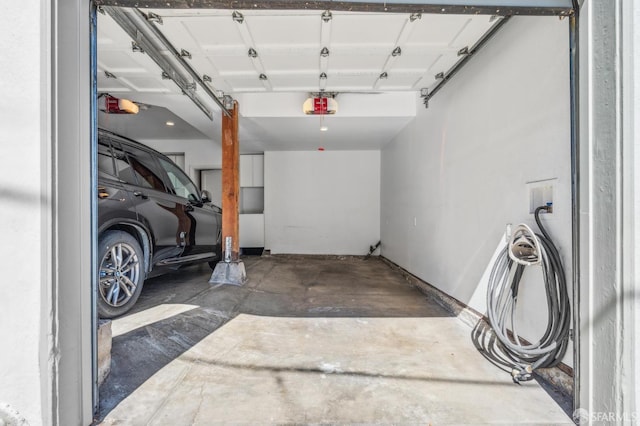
206 196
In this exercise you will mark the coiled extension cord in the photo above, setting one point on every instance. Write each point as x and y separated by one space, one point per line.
502 301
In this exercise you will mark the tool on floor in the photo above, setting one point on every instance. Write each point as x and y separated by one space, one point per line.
372 249
528 249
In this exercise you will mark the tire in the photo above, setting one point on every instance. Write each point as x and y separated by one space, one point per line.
121 273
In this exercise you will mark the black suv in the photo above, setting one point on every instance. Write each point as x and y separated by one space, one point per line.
151 219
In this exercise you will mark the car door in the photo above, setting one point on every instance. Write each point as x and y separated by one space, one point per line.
204 219
114 201
155 206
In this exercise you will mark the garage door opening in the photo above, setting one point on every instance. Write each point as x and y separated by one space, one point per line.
437 179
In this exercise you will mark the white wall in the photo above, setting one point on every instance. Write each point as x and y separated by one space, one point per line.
45 194
23 309
455 177
322 202
198 153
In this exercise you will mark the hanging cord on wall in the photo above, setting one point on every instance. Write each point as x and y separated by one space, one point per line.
527 249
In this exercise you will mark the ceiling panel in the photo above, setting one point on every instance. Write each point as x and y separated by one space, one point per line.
439 29
415 62
354 133
211 31
473 31
124 62
143 84
228 65
245 83
111 85
353 61
297 82
366 29
351 82
299 63
300 30
400 81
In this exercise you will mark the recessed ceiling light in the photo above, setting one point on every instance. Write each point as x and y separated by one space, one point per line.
170 123
323 128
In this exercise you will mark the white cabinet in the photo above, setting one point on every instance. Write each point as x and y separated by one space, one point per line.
251 201
251 230
251 170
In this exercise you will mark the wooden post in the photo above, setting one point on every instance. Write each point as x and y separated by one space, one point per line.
230 183
231 270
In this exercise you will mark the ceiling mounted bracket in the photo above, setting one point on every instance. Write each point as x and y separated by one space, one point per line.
228 101
464 51
237 16
152 17
135 47
424 94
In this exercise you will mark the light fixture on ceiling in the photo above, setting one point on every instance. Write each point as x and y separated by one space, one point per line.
170 123
252 53
324 52
326 16
415 16
324 128
397 51
113 105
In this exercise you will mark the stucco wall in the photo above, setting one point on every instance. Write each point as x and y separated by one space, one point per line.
25 207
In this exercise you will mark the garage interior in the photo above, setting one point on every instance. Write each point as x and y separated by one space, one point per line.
436 172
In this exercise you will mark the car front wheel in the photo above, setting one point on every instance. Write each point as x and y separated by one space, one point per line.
121 273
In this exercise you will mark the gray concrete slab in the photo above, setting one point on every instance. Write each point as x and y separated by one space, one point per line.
305 340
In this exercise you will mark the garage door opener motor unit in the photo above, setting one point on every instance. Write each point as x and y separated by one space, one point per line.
526 249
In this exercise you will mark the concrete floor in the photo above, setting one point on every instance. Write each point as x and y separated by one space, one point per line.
305 340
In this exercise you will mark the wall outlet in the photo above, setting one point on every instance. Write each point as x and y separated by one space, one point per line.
540 193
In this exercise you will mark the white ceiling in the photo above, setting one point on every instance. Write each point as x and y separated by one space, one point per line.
288 46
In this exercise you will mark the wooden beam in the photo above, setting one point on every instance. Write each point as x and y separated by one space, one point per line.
230 183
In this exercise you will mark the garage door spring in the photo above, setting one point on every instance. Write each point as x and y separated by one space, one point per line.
527 249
